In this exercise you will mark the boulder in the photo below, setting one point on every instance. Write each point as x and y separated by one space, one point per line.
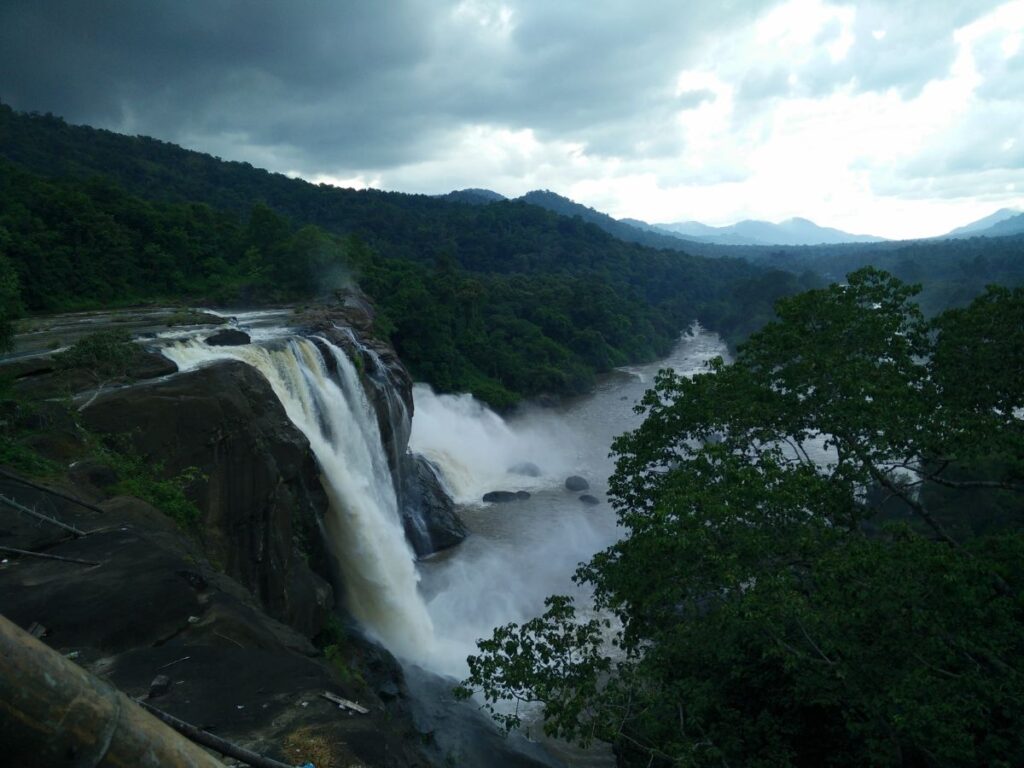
525 468
589 500
501 497
151 365
576 483
428 513
258 486
522 495
229 337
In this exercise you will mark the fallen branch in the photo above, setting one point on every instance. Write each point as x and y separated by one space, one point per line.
172 663
207 739
52 492
45 556
39 515
345 703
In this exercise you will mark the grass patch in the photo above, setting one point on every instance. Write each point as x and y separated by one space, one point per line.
145 479
105 354
309 744
333 641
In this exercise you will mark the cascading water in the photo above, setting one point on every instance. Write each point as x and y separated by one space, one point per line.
475 448
364 527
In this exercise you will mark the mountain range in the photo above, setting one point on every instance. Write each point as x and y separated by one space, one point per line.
791 232
1005 221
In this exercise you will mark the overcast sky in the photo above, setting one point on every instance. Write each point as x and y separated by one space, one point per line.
892 118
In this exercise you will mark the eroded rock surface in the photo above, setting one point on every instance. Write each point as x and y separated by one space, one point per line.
258 483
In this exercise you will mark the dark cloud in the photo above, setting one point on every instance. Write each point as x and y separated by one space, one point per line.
351 85
374 88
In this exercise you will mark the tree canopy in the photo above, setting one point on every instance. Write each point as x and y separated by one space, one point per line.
823 561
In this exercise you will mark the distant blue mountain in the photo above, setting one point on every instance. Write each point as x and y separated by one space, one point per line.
1005 221
676 236
795 231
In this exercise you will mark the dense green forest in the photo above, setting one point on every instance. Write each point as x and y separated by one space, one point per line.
836 523
504 301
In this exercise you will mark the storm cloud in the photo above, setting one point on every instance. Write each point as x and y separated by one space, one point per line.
659 110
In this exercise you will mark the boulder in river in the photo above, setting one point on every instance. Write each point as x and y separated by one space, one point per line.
589 500
525 468
428 512
501 497
576 483
522 495
229 337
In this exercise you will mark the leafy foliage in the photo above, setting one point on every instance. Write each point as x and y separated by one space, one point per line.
794 587
105 354
10 297
138 477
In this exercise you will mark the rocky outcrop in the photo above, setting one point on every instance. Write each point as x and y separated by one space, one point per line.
348 324
229 337
576 483
259 487
428 512
138 599
504 497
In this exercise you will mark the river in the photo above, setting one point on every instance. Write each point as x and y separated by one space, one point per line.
519 552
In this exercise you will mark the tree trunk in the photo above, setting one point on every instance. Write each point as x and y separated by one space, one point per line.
53 713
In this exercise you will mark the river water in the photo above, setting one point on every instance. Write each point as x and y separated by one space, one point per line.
522 551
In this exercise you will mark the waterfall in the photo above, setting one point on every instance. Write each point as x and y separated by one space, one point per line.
364 526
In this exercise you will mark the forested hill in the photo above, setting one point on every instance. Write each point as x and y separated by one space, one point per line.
504 237
504 300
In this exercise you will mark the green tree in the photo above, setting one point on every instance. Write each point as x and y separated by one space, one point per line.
770 611
10 298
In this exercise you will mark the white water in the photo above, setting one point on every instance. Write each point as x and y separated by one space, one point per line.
523 551
364 529
474 447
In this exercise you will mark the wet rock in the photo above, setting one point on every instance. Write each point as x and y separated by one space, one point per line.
589 500
385 379
229 337
501 497
93 473
525 468
428 513
151 365
522 495
576 483
159 686
389 691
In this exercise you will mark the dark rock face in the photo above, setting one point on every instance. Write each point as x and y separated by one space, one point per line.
428 513
260 491
501 497
525 468
154 618
229 337
576 483
589 500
